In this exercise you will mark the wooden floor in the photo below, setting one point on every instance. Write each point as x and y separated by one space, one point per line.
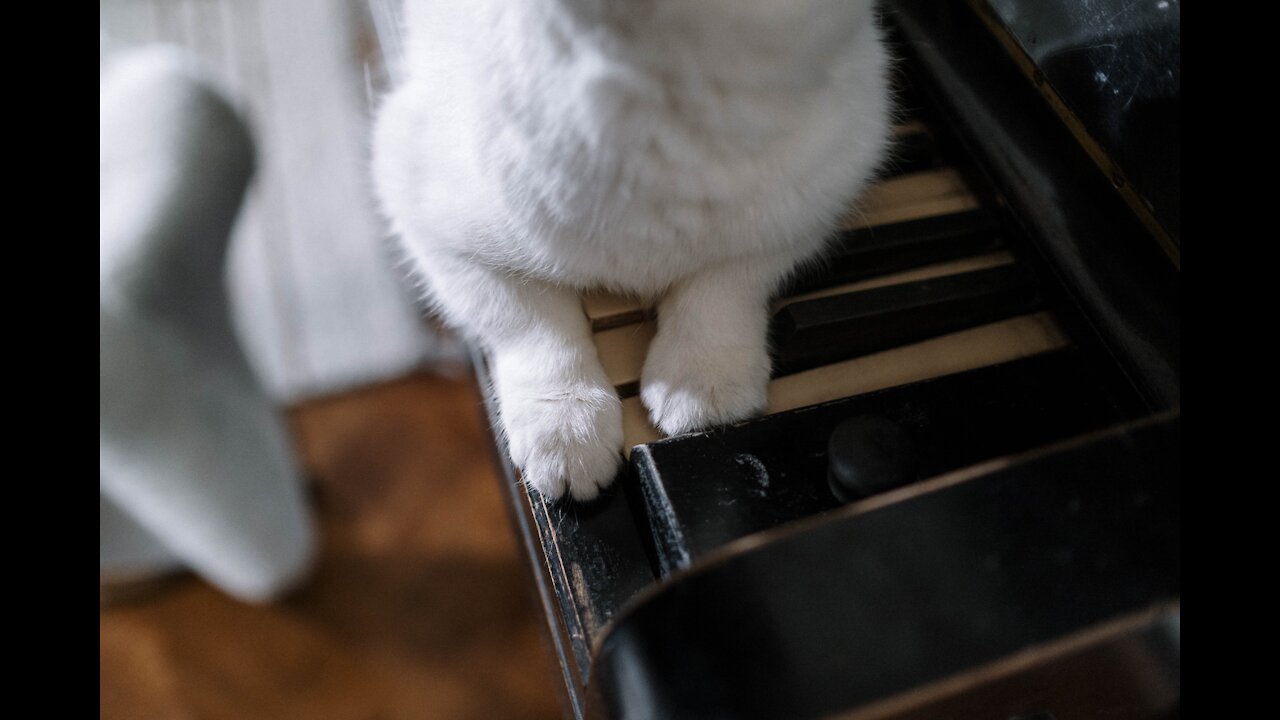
420 606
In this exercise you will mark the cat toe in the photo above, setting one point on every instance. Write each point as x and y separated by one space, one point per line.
690 386
691 403
569 441
582 470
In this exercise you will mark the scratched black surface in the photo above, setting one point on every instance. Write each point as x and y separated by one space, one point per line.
866 605
706 489
587 560
1117 66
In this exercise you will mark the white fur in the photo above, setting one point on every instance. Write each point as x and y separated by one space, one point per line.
692 153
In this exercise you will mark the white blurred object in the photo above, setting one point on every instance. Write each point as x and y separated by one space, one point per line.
195 464
317 297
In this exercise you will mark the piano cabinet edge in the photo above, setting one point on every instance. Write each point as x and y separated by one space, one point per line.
1122 513
586 559
1127 666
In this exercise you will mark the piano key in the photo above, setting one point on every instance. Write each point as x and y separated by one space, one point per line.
911 152
636 428
906 97
773 470
906 128
913 149
959 351
622 349
912 188
942 269
607 310
928 207
913 197
810 333
998 342
874 251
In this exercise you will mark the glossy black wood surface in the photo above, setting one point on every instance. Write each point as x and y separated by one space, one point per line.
852 608
1115 65
703 490
870 252
588 559
1086 236
826 330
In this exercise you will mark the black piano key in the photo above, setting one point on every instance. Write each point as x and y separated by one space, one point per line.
825 330
871 252
910 153
703 490
906 94
1076 543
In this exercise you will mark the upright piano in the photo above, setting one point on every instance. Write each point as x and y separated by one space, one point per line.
964 500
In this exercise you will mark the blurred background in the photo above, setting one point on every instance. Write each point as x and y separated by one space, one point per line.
300 517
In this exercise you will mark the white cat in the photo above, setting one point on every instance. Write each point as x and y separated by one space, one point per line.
690 152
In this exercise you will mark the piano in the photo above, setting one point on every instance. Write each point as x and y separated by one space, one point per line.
964 499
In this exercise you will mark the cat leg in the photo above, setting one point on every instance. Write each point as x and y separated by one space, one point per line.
561 416
709 362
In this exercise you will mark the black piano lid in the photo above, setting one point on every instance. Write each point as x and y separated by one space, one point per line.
704 490
1112 70
908 588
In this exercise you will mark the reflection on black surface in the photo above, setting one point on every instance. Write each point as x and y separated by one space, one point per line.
1116 65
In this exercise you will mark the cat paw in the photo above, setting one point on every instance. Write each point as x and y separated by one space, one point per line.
565 439
687 391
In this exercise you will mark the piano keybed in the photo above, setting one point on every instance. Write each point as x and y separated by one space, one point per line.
927 251
922 283
933 311
939 197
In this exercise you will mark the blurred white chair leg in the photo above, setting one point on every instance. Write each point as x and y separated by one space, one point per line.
127 550
190 448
